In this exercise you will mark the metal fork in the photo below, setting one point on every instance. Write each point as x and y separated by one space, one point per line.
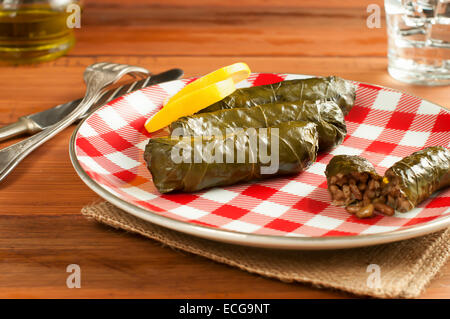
97 77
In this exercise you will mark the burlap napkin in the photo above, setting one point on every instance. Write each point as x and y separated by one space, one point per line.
404 268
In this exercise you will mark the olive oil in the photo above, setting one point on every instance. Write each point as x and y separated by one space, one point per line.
33 33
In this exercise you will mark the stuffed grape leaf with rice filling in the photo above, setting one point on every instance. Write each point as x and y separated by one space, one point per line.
326 114
413 179
297 149
353 182
333 88
348 179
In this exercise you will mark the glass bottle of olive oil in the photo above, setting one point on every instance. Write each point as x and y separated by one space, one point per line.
34 30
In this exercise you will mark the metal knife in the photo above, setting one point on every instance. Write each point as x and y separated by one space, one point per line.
39 121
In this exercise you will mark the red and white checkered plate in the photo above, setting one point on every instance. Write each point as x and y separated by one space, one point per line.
290 212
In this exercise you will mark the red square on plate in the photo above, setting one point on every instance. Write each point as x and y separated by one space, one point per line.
86 146
339 233
357 114
400 121
439 202
442 123
259 191
311 205
381 147
180 198
283 225
116 140
230 211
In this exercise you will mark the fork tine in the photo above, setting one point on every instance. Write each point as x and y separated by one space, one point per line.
98 65
130 70
109 66
138 70
115 71
139 75
120 67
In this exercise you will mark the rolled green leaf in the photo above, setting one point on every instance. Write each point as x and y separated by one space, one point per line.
353 182
413 179
348 164
333 88
181 164
326 114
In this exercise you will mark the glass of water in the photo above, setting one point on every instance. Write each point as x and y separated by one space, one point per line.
419 41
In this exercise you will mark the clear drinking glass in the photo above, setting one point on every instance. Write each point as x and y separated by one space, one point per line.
419 41
34 30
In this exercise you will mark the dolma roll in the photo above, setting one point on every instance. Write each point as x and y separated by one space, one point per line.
323 88
353 182
413 179
293 147
326 114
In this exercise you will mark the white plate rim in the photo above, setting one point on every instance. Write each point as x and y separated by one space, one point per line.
255 240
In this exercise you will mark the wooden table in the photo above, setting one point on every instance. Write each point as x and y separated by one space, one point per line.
41 229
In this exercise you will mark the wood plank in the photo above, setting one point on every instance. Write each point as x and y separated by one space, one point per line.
330 4
25 89
250 29
35 251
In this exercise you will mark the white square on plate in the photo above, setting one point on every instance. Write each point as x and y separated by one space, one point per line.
387 100
389 160
138 193
369 132
219 195
323 222
140 102
297 77
298 188
172 87
374 229
188 212
122 160
92 165
413 138
345 150
240 226
243 84
270 209
87 131
317 168
141 145
428 108
112 118
412 213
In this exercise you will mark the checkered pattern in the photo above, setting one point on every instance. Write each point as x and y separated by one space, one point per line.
383 126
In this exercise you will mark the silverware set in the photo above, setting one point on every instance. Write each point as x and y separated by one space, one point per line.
46 124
